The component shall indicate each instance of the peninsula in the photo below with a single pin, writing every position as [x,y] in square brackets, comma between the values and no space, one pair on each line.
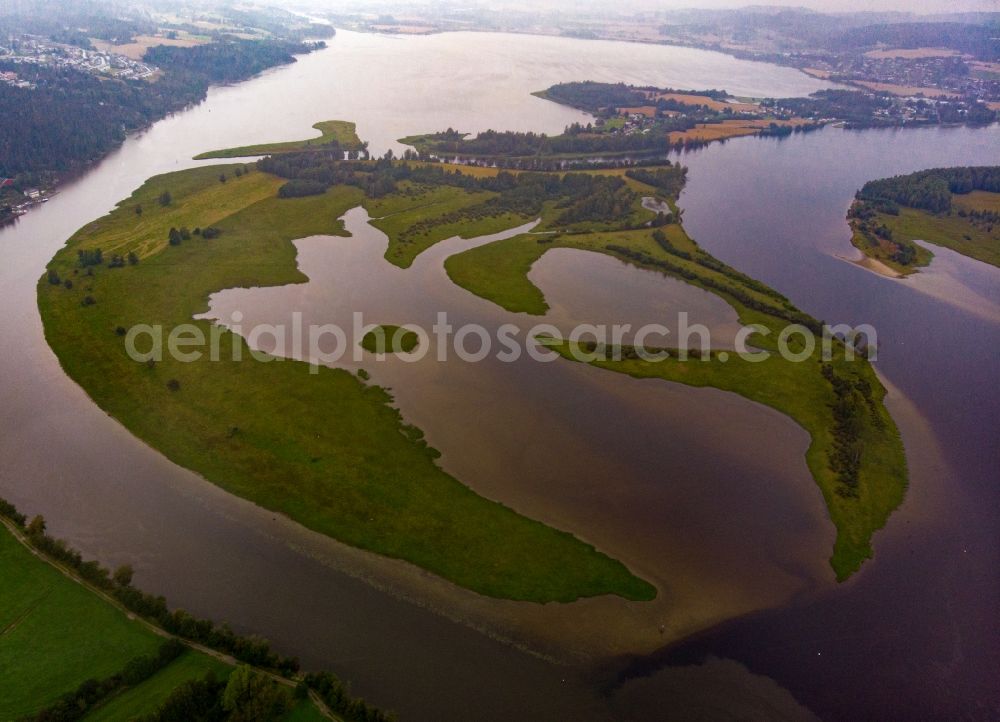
[958,208]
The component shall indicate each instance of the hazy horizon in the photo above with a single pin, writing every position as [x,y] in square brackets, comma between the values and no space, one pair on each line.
[921,7]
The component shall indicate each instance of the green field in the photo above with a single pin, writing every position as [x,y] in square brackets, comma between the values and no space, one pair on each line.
[341,131]
[325,449]
[147,697]
[409,218]
[55,633]
[498,272]
[951,231]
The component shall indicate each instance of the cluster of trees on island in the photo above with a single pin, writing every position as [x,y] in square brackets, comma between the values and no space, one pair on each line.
[929,190]
[600,98]
[579,196]
[583,145]
[575,140]
[252,651]
[853,399]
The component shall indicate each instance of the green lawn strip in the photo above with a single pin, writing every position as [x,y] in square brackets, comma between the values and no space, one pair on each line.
[147,697]
[415,223]
[390,339]
[340,131]
[498,272]
[55,633]
[322,448]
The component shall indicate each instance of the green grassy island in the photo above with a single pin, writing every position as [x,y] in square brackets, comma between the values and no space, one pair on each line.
[390,339]
[325,449]
[958,208]
[330,451]
[334,134]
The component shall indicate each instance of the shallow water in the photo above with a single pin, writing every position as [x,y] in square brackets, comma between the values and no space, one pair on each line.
[643,470]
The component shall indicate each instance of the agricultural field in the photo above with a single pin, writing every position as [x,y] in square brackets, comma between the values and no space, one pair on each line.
[731,129]
[55,633]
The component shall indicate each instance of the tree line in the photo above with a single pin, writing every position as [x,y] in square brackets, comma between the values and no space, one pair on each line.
[669,178]
[579,196]
[851,398]
[593,96]
[786,312]
[929,190]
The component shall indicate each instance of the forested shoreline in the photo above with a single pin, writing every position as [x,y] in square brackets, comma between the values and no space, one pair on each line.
[889,213]
[72,118]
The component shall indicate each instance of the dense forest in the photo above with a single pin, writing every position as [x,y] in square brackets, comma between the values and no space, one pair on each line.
[593,96]
[930,190]
[576,140]
[72,118]
[980,41]
[787,30]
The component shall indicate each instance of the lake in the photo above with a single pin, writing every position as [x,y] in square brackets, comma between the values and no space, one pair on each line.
[915,628]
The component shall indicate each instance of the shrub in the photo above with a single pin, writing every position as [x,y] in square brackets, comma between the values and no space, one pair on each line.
[299,187]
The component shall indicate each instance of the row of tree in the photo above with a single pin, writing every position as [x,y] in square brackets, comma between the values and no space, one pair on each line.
[593,96]
[852,397]
[786,312]
[931,190]
[580,196]
[91,693]
[669,178]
